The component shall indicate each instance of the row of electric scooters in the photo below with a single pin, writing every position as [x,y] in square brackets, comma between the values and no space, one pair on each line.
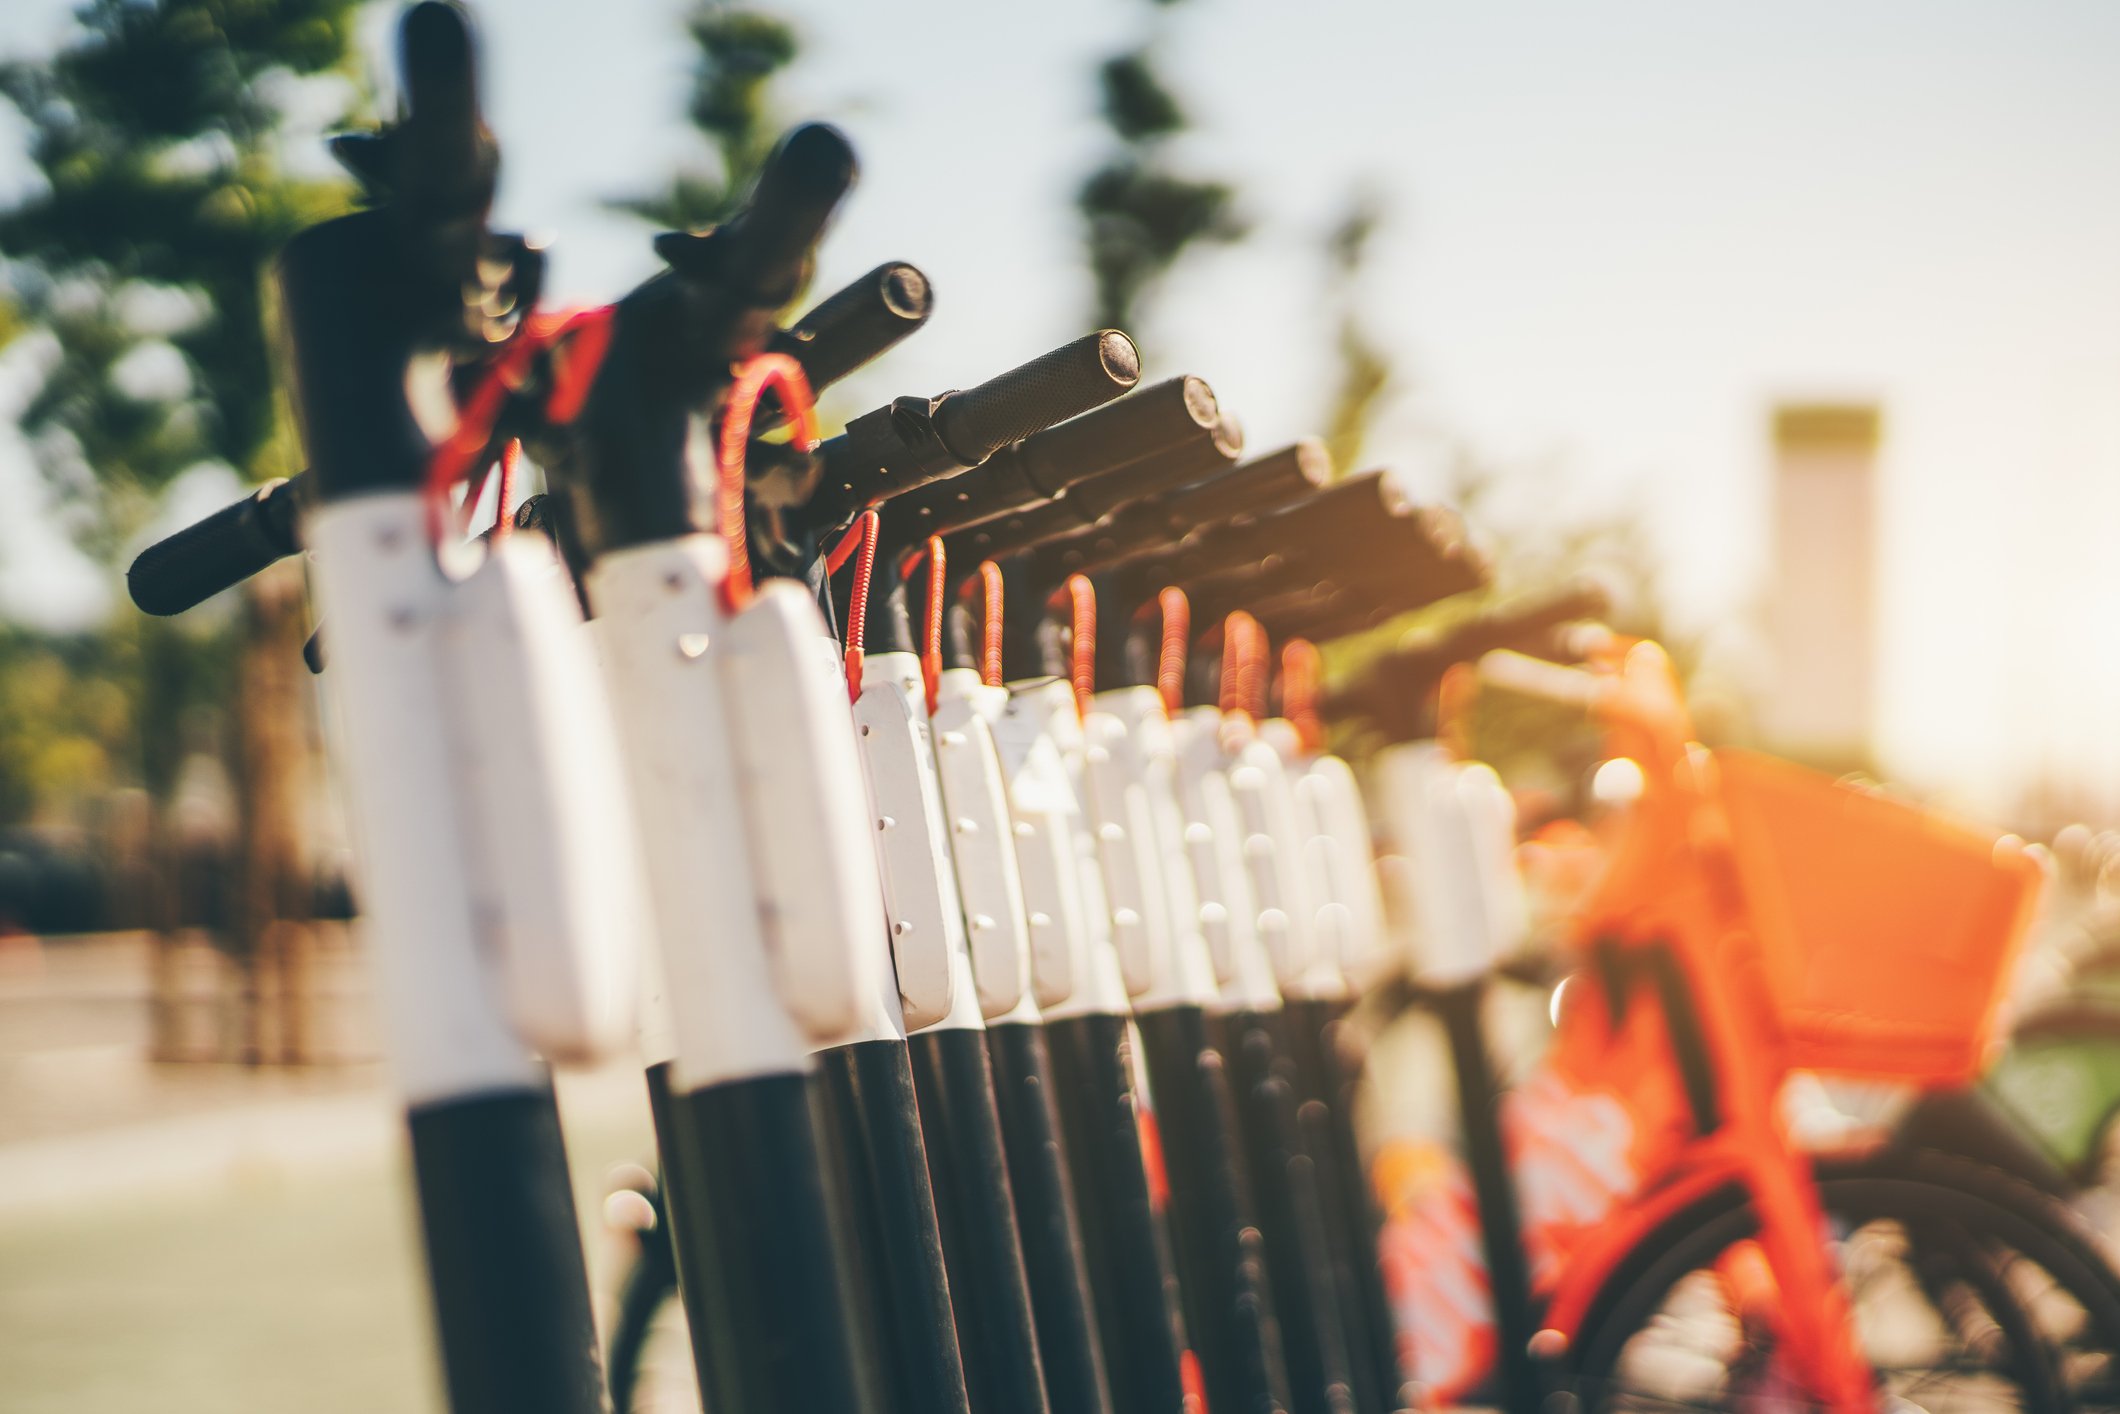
[941,806]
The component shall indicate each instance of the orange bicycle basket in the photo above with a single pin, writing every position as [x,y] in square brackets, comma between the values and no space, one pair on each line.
[1886,932]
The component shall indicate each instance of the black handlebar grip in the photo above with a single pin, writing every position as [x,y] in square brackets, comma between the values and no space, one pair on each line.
[1149,507]
[1175,412]
[857,324]
[217,553]
[1021,480]
[444,160]
[1155,478]
[975,423]
[1258,486]
[769,244]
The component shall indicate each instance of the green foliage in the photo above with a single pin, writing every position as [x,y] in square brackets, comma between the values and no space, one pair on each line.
[145,252]
[142,260]
[66,718]
[740,51]
[1140,211]
[1364,376]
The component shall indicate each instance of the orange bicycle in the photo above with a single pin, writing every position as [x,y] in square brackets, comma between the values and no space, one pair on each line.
[1776,921]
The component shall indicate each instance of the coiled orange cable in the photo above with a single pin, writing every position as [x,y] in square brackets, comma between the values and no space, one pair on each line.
[1170,657]
[1082,602]
[1302,669]
[862,536]
[1243,665]
[784,377]
[991,583]
[931,651]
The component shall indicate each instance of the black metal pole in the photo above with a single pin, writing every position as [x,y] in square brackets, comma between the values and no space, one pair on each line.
[874,1113]
[1285,1172]
[1501,1224]
[1047,1220]
[1326,1079]
[1221,1251]
[1140,1311]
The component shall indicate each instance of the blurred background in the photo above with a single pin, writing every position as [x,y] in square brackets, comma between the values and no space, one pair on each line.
[1798,323]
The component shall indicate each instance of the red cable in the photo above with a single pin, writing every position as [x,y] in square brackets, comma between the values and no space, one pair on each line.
[1170,661]
[864,534]
[784,376]
[1302,667]
[990,642]
[588,332]
[1243,648]
[511,453]
[1258,669]
[1082,600]
[931,654]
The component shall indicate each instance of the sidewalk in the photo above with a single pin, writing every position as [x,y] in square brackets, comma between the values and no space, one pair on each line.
[204,1238]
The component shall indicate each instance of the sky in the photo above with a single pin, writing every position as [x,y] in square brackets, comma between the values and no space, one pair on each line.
[1615,236]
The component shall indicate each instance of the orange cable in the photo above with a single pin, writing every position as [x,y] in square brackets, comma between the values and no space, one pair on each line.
[1302,668]
[990,631]
[1170,661]
[784,376]
[1082,600]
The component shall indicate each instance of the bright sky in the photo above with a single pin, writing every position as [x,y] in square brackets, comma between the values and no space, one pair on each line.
[1617,234]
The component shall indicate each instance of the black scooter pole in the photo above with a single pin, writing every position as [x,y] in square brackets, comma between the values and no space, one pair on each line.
[875,1104]
[364,295]
[975,794]
[953,1078]
[1328,1072]
[756,1233]
[1119,1185]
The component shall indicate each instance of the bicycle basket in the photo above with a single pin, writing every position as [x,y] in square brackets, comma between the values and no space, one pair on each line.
[1887,933]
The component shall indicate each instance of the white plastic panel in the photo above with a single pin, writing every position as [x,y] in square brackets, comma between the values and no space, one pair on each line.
[912,846]
[989,882]
[555,863]
[1453,825]
[660,626]
[801,782]
[1273,857]
[1180,971]
[1126,850]
[1074,969]
[1214,845]
[1326,785]
[445,1025]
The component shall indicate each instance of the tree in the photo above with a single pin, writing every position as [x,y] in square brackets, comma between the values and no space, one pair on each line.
[1140,211]
[1365,375]
[142,261]
[740,50]
[144,254]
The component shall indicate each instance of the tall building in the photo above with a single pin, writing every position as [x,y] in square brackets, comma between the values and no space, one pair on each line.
[1822,615]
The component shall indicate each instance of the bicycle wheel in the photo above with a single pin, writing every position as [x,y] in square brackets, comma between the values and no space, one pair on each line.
[649,1364]
[1972,1291]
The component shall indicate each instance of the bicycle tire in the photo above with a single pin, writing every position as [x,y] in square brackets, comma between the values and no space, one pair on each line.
[1932,1194]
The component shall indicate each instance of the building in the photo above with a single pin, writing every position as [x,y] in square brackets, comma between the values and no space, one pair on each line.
[1820,705]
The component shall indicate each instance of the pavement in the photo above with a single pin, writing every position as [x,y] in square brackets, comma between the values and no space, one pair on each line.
[204,1237]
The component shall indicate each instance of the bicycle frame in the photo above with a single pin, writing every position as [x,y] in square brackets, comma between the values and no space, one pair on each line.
[1671,888]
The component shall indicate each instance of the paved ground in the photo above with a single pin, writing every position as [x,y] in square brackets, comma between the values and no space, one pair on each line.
[198,1238]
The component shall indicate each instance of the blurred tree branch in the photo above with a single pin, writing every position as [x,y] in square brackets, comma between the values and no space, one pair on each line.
[740,51]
